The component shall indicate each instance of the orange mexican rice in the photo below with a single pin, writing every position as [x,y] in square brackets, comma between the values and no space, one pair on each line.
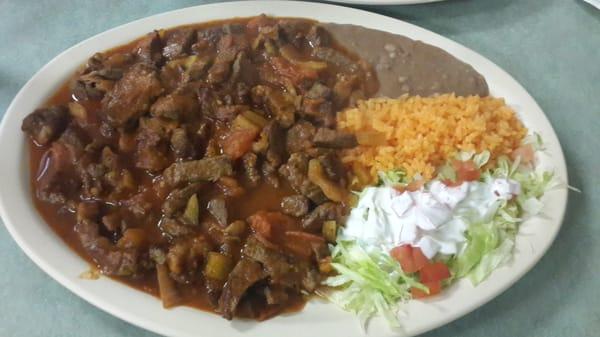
[418,134]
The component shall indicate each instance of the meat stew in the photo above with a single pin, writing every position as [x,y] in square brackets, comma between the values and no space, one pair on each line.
[200,163]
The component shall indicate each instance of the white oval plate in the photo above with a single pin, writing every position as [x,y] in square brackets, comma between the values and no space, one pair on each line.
[47,250]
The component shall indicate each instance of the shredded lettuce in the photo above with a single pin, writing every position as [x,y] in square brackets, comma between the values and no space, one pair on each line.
[490,244]
[369,282]
[393,177]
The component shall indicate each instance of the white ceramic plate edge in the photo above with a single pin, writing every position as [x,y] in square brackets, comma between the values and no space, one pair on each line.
[501,84]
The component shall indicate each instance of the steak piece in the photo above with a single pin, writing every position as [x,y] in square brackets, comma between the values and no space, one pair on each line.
[327,211]
[296,172]
[207,169]
[245,274]
[300,137]
[178,43]
[295,205]
[46,124]
[149,49]
[334,139]
[132,95]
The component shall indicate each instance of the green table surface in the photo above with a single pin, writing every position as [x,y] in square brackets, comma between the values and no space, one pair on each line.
[552,47]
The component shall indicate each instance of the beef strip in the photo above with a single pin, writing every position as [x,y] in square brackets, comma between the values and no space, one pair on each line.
[295,205]
[279,104]
[276,149]
[318,37]
[111,259]
[207,169]
[334,168]
[177,106]
[46,124]
[334,139]
[149,49]
[327,211]
[132,95]
[178,43]
[296,172]
[181,143]
[245,274]
[300,137]
[283,269]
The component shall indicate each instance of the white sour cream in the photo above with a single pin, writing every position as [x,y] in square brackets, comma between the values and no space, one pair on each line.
[433,218]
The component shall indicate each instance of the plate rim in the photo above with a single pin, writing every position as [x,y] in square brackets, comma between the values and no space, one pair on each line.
[140,320]
[384,2]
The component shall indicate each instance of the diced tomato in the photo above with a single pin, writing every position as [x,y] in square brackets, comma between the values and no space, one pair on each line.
[466,171]
[238,142]
[432,272]
[271,226]
[451,183]
[419,259]
[403,254]
[415,185]
[434,288]
[525,152]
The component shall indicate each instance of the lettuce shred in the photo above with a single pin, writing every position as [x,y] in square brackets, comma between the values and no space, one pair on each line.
[490,243]
[369,282]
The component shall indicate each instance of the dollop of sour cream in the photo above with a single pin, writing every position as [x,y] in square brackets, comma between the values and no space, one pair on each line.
[433,218]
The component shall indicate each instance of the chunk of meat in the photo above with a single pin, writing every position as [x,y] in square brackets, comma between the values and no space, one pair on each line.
[318,106]
[333,166]
[99,75]
[245,274]
[283,269]
[181,144]
[333,190]
[112,260]
[218,209]
[132,95]
[276,295]
[149,49]
[324,212]
[296,172]
[177,106]
[46,124]
[59,179]
[300,137]
[175,228]
[178,43]
[276,148]
[207,169]
[186,256]
[318,37]
[281,105]
[334,139]
[178,198]
[295,205]
[227,49]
